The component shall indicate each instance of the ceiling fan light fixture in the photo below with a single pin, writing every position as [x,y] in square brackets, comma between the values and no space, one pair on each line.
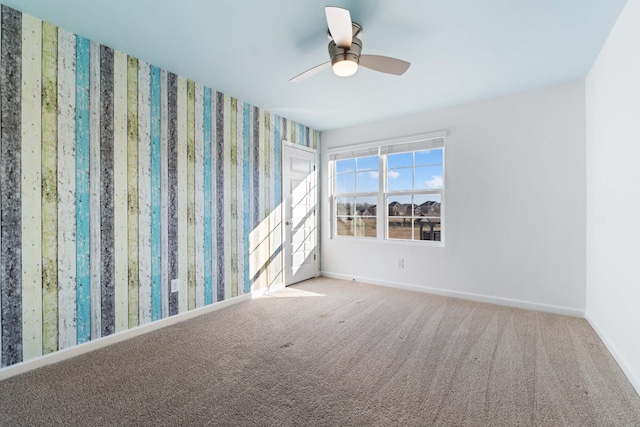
[345,68]
[345,60]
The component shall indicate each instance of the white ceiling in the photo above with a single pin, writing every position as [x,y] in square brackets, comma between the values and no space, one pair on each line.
[460,50]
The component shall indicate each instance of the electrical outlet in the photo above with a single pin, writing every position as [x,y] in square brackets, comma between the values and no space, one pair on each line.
[400,262]
[175,285]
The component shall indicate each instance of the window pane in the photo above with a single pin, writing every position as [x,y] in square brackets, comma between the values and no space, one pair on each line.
[427,205]
[428,178]
[399,205]
[399,160]
[348,165]
[428,224]
[345,183]
[429,157]
[400,227]
[399,179]
[344,226]
[367,182]
[365,227]
[427,229]
[344,206]
[367,163]
[365,206]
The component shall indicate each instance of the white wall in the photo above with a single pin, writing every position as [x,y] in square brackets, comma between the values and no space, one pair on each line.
[515,204]
[613,192]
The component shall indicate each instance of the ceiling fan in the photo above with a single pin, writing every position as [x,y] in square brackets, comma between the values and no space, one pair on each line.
[345,47]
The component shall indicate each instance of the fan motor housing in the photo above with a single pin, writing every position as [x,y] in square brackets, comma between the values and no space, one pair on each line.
[352,53]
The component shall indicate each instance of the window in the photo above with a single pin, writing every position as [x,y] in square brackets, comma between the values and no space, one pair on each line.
[405,177]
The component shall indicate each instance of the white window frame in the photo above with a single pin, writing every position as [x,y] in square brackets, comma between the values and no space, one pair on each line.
[382,149]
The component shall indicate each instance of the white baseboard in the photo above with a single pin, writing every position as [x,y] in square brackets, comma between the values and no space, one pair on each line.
[567,311]
[635,382]
[65,354]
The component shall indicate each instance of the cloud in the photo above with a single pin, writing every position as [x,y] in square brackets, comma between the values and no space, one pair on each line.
[373,174]
[393,174]
[434,182]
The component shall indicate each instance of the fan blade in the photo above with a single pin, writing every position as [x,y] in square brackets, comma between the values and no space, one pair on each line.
[339,21]
[310,72]
[385,64]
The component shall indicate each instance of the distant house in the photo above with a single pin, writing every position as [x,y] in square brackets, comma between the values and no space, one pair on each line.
[394,209]
[430,208]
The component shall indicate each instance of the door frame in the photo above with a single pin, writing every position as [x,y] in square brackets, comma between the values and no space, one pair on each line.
[287,145]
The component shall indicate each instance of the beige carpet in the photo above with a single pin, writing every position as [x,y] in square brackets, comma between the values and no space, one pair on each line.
[336,353]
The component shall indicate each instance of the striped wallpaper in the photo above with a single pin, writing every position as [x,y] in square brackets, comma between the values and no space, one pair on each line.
[116,178]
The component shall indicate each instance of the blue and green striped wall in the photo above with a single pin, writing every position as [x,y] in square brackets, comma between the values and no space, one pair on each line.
[116,178]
